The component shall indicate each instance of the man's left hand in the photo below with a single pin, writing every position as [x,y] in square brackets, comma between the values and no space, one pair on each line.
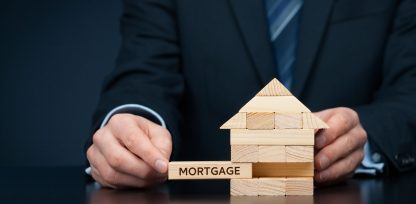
[339,149]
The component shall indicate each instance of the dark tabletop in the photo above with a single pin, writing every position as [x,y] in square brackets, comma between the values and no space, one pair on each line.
[70,185]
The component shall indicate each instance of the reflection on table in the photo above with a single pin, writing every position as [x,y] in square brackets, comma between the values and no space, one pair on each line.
[354,191]
[68,185]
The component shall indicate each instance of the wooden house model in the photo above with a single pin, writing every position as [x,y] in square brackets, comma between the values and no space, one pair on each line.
[272,153]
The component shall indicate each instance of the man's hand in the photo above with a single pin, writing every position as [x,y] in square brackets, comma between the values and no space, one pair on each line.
[340,149]
[130,151]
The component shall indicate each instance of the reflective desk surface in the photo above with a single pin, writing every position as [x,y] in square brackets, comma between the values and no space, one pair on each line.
[69,185]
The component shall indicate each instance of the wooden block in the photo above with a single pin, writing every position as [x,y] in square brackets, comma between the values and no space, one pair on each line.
[272,137]
[208,170]
[260,121]
[282,169]
[299,153]
[288,121]
[259,200]
[304,199]
[244,187]
[244,153]
[277,104]
[235,122]
[272,153]
[241,199]
[310,121]
[274,88]
[272,186]
[299,186]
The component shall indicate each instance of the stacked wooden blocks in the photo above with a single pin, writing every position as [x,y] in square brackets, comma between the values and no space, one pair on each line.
[272,139]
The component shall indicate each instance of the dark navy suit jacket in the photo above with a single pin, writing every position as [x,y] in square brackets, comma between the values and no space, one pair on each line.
[196,62]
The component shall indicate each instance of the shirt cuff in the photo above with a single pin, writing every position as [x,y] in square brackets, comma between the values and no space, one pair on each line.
[137,110]
[368,165]
[133,109]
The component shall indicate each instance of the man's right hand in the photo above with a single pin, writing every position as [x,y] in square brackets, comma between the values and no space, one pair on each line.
[130,151]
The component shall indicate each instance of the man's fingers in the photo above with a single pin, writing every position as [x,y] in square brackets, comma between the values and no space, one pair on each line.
[160,138]
[340,169]
[97,177]
[340,121]
[140,144]
[96,161]
[339,148]
[137,141]
[93,157]
[116,179]
[122,160]
[110,177]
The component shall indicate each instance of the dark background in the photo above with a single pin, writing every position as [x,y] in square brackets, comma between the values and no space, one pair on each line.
[53,58]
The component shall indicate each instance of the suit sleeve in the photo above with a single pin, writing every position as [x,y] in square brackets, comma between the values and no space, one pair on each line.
[147,68]
[390,120]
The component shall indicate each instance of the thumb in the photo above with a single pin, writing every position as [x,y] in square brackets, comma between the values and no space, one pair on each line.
[324,115]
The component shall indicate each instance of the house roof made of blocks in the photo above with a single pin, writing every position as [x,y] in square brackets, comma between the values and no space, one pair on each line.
[278,108]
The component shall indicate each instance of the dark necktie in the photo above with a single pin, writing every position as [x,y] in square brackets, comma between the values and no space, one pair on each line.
[283,16]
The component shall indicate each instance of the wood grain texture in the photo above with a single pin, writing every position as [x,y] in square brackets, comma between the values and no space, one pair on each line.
[260,121]
[300,199]
[283,169]
[271,186]
[244,153]
[276,186]
[274,88]
[299,186]
[208,170]
[244,187]
[288,121]
[272,137]
[310,121]
[259,200]
[299,153]
[235,122]
[271,153]
[274,104]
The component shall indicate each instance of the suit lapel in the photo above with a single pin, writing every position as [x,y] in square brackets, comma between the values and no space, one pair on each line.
[252,22]
[313,23]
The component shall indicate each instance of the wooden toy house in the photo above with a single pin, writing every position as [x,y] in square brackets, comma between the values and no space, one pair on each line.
[272,138]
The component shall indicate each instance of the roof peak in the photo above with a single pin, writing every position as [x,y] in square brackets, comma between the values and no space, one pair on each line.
[274,88]
[274,98]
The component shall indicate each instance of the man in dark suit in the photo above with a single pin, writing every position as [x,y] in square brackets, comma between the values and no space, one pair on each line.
[185,66]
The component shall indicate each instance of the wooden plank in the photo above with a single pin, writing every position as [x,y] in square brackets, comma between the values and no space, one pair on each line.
[235,122]
[310,121]
[260,121]
[244,187]
[208,170]
[272,186]
[274,88]
[299,186]
[260,200]
[274,104]
[282,169]
[271,153]
[288,121]
[240,199]
[272,137]
[244,153]
[301,199]
[299,153]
